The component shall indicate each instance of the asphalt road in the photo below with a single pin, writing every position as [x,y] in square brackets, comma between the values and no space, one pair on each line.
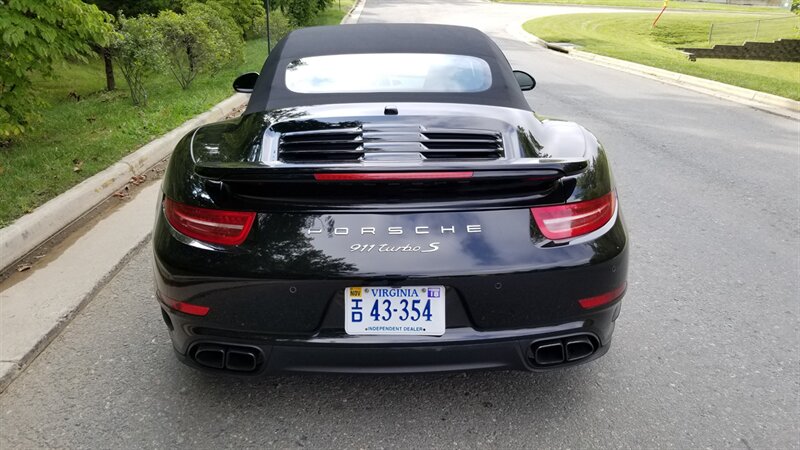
[705,353]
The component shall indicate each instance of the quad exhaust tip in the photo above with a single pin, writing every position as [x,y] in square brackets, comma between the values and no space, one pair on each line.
[564,350]
[227,357]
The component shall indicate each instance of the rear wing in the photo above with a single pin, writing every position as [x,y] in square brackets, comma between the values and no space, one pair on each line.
[542,170]
[352,187]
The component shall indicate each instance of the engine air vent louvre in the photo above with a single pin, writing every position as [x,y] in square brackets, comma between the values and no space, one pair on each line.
[343,144]
[351,144]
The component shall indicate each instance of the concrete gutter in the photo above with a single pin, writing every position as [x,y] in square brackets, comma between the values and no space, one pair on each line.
[760,100]
[31,230]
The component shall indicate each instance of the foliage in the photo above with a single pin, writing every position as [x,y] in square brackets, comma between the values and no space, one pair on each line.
[190,45]
[279,26]
[795,6]
[219,19]
[35,37]
[138,51]
[301,13]
[249,15]
[133,8]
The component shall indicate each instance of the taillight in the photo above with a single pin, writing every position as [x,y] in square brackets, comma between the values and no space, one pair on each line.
[574,219]
[602,299]
[184,307]
[209,225]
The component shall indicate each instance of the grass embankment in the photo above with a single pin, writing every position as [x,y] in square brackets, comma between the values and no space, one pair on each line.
[673,5]
[629,37]
[94,132]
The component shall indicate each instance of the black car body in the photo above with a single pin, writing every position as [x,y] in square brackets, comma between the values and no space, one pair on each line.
[389,203]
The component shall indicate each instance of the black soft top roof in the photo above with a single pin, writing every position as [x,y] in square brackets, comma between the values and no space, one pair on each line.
[271,93]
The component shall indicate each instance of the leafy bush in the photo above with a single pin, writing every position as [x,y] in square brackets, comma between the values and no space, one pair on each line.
[219,19]
[279,26]
[138,51]
[190,46]
[301,13]
[35,37]
[249,15]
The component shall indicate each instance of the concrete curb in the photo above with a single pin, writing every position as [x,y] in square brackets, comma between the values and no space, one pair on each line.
[31,230]
[355,12]
[760,100]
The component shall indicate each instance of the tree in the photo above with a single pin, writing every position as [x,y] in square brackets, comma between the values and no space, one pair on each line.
[220,20]
[192,46]
[249,15]
[128,8]
[138,51]
[133,8]
[35,37]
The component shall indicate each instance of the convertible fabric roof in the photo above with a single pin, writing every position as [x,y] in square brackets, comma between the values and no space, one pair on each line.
[271,93]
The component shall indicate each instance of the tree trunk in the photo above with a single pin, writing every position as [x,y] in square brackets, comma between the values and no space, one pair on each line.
[111,84]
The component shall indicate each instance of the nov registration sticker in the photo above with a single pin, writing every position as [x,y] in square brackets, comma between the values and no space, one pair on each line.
[406,310]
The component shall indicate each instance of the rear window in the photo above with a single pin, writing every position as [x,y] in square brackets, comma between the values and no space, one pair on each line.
[388,72]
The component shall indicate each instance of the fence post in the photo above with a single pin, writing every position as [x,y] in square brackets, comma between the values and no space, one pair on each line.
[710,33]
[758,25]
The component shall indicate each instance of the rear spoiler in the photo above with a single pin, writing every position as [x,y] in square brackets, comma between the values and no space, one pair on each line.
[543,170]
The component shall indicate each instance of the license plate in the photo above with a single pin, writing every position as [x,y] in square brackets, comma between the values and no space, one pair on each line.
[407,310]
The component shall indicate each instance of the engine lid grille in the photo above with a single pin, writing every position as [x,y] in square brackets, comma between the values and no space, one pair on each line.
[360,143]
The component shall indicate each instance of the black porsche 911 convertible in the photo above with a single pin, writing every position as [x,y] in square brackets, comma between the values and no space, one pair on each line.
[388,203]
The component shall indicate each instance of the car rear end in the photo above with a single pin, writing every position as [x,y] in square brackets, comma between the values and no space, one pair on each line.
[351,238]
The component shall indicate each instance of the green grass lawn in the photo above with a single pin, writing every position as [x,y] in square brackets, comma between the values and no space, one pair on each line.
[100,128]
[629,37]
[673,5]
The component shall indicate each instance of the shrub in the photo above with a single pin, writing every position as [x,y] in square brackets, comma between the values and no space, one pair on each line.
[219,19]
[190,46]
[249,15]
[279,26]
[138,51]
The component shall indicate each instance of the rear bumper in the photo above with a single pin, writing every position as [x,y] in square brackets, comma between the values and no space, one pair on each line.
[460,349]
[289,312]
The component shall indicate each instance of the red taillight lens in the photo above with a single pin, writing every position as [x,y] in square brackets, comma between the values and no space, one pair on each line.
[209,225]
[602,299]
[186,308]
[574,219]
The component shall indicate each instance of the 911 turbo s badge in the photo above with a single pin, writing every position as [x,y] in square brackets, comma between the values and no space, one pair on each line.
[398,231]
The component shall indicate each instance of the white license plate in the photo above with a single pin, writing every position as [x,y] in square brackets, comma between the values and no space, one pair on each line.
[406,310]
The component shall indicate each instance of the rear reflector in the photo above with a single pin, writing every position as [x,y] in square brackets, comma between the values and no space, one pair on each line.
[391,176]
[574,219]
[186,308]
[209,225]
[602,299]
